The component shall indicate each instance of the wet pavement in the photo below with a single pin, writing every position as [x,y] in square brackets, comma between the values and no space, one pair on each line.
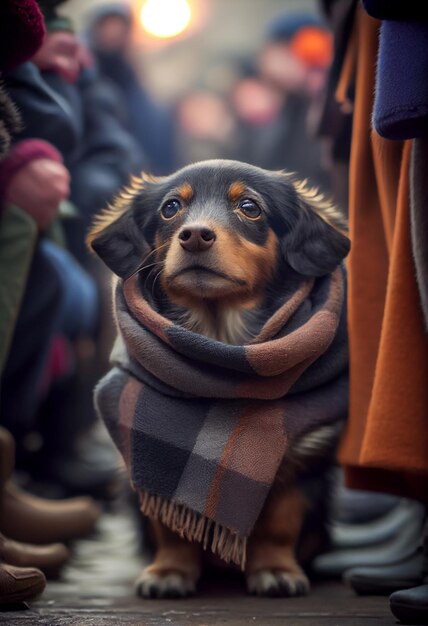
[96,590]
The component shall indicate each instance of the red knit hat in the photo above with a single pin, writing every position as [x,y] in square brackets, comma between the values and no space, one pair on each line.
[21,31]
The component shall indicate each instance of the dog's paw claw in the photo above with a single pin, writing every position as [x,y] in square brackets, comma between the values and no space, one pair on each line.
[173,585]
[276,584]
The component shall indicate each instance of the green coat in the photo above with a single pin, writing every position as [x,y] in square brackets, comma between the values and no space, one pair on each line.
[18,236]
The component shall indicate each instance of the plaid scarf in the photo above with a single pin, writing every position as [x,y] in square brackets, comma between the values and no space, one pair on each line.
[203,426]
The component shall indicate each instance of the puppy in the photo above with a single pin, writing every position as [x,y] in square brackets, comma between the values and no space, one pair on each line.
[216,244]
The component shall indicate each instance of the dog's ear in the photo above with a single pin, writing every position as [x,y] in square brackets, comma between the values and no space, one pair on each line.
[315,242]
[117,235]
[120,245]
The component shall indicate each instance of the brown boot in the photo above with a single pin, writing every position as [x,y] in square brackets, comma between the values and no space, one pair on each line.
[30,519]
[18,584]
[49,559]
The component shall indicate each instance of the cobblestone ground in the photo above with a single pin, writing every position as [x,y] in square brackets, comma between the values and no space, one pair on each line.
[96,590]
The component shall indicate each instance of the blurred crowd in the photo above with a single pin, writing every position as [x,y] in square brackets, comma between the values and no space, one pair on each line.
[266,110]
[76,120]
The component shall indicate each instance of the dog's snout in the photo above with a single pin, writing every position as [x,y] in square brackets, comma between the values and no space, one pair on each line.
[196,238]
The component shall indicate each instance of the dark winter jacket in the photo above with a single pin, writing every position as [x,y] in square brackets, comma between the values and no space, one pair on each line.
[46,114]
[107,154]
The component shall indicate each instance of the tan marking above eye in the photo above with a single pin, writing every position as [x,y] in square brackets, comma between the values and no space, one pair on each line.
[185,191]
[236,190]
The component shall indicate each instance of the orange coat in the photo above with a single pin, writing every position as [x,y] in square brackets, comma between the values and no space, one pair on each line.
[385,446]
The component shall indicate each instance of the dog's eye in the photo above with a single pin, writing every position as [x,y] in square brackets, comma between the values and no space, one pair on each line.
[170,209]
[250,209]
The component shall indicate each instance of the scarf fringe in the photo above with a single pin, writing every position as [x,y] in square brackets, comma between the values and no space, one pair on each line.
[193,526]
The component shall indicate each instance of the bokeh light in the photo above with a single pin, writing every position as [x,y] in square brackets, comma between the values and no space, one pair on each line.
[165,18]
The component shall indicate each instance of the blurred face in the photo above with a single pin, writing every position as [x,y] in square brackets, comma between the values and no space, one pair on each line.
[112,33]
[282,68]
[61,53]
[204,115]
[256,102]
[287,71]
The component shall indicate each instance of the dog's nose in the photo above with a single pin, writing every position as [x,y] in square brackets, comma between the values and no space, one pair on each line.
[196,238]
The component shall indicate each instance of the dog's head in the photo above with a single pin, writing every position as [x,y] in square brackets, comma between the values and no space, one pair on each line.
[220,230]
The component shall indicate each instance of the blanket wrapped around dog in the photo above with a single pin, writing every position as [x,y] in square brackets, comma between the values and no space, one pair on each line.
[203,426]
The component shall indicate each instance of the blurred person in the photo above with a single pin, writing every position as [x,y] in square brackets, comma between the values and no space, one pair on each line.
[257,105]
[32,176]
[206,126]
[105,156]
[99,156]
[33,179]
[109,37]
[295,61]
[86,120]
[380,77]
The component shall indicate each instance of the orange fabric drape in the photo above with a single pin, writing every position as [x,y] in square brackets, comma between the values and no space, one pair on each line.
[385,445]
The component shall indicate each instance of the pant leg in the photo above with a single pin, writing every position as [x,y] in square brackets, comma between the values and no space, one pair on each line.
[79,314]
[37,322]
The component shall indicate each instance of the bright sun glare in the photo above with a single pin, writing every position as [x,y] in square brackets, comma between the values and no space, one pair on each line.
[165,18]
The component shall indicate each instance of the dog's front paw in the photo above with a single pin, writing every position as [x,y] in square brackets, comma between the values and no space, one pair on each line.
[276,584]
[166,585]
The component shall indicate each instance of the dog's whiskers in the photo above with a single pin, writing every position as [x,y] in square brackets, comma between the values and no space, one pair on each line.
[149,265]
[142,267]
[154,282]
[149,275]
